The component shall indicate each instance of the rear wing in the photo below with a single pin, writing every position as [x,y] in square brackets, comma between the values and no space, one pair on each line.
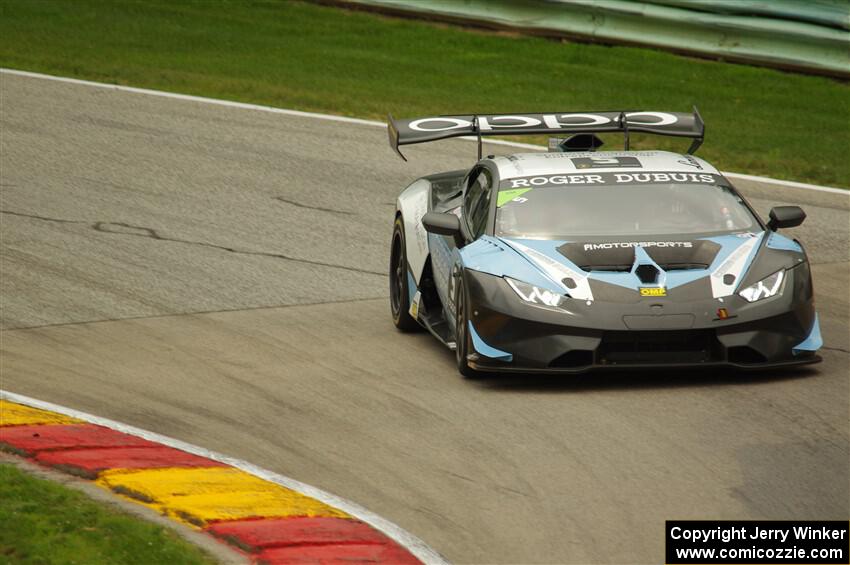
[422,130]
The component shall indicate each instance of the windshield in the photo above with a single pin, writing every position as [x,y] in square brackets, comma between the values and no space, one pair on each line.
[574,211]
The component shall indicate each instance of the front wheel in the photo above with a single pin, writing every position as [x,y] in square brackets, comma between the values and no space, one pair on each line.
[462,338]
[399,293]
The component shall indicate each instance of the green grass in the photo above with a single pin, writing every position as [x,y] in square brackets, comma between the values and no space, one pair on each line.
[309,57]
[43,522]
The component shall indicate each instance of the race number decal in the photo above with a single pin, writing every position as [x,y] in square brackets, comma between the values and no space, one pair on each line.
[605,162]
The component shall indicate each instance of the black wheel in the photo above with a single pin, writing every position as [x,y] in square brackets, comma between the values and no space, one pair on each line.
[461,332]
[399,294]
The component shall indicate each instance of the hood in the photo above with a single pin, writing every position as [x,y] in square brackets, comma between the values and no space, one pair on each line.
[620,255]
[578,268]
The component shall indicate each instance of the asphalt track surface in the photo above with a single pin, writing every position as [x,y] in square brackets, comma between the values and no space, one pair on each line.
[217,275]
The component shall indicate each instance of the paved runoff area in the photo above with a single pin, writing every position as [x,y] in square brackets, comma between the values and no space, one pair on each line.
[271,523]
[217,275]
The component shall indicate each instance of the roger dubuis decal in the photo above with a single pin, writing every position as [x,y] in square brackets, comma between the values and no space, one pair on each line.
[611,179]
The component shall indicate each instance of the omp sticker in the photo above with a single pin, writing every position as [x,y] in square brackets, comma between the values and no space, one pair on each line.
[506,196]
[653,291]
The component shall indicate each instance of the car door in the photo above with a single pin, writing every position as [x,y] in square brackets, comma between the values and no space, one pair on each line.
[474,213]
[476,202]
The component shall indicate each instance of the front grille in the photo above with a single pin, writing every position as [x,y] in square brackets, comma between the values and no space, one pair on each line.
[659,347]
[745,355]
[682,266]
[573,359]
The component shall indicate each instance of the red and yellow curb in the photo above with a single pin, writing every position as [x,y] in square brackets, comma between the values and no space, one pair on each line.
[271,523]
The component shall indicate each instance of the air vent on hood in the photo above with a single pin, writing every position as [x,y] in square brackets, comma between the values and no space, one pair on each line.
[620,256]
[647,273]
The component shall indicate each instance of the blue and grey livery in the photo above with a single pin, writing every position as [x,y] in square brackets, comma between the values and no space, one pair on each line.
[577,259]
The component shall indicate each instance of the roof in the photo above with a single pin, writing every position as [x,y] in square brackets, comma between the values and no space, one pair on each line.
[530,164]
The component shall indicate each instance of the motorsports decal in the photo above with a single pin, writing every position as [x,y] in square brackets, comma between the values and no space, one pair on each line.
[653,291]
[628,244]
[678,254]
[609,178]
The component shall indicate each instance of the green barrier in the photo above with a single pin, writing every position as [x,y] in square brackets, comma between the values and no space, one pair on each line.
[803,35]
[829,13]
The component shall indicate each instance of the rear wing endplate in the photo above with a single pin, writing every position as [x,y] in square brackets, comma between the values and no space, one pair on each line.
[422,130]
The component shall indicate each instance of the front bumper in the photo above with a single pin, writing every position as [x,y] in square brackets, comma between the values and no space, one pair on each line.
[641,333]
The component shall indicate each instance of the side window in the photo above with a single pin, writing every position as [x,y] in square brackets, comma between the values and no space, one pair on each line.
[476,202]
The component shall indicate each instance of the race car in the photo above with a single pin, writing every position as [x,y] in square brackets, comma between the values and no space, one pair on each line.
[577,259]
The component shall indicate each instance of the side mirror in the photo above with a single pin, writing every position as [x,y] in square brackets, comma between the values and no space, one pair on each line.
[785,217]
[444,224]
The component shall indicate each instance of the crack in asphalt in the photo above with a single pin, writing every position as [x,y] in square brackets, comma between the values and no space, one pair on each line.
[121,228]
[43,218]
[841,349]
[308,207]
[192,313]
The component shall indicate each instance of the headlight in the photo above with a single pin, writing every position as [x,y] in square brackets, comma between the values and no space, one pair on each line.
[536,295]
[765,288]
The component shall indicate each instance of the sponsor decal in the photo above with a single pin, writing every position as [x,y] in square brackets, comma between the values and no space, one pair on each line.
[530,182]
[546,121]
[605,162]
[723,314]
[414,306]
[627,244]
[653,291]
[557,272]
[610,178]
[512,195]
[733,265]
[577,154]
[690,162]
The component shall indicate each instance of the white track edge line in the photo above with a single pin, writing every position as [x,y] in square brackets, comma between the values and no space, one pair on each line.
[416,546]
[358,121]
[788,183]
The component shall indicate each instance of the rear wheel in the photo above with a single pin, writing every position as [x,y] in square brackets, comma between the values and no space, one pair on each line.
[462,338]
[399,288]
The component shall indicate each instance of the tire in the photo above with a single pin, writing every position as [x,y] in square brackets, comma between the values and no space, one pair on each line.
[399,290]
[462,339]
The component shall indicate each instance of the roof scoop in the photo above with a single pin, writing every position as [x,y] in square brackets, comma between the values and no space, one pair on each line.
[577,142]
